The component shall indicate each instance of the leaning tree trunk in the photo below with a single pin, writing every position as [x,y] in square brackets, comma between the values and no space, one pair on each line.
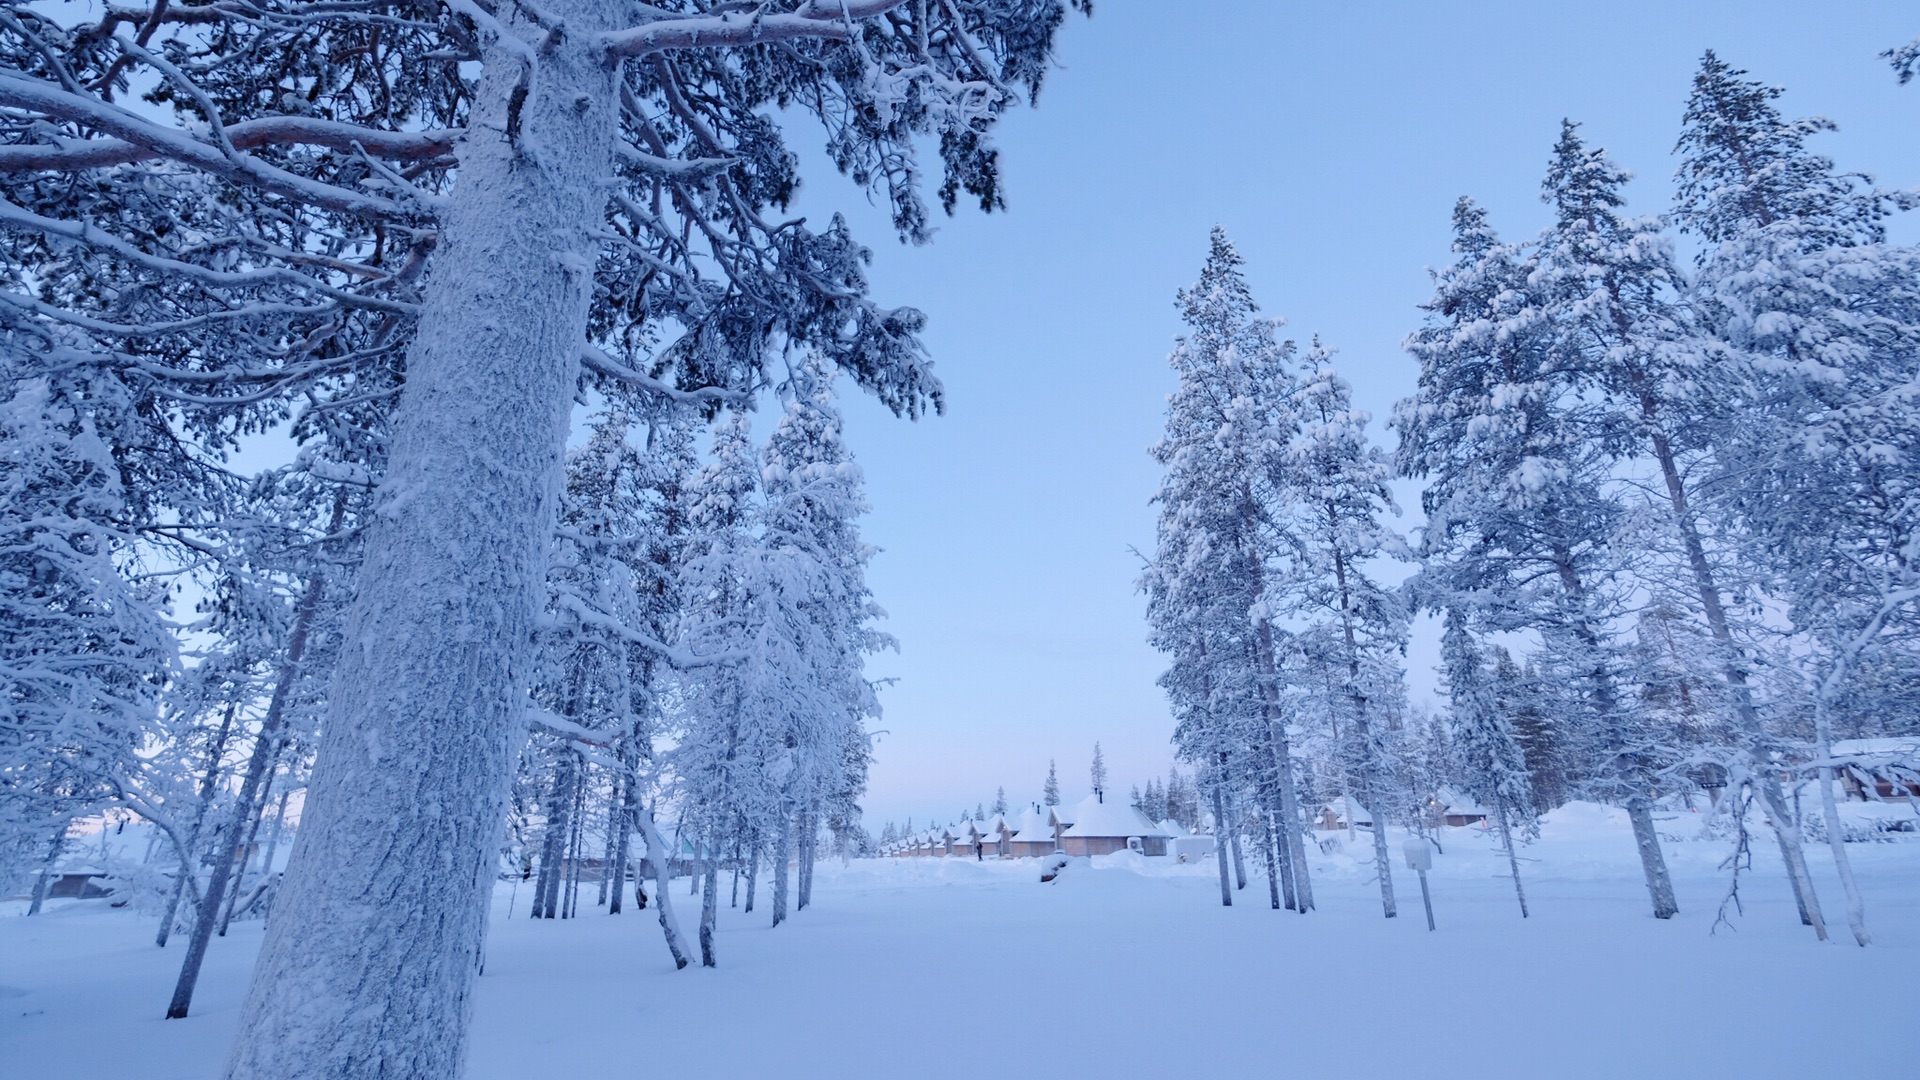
[188,857]
[266,750]
[1836,835]
[1503,822]
[660,862]
[367,969]
[1786,826]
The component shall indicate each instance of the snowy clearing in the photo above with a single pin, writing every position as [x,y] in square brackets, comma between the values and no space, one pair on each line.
[1124,967]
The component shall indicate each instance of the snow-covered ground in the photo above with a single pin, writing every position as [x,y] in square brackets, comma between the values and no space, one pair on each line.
[1124,967]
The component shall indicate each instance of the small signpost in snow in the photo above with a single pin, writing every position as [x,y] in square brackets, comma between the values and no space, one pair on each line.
[1420,860]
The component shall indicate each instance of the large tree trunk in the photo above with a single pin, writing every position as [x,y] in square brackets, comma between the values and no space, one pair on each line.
[1786,826]
[367,969]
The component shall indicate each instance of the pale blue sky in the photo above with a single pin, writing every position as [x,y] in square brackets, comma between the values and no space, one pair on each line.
[1331,140]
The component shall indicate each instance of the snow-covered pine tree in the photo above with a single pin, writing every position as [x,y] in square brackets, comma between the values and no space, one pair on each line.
[274,151]
[1520,519]
[83,653]
[1051,791]
[1609,282]
[1097,772]
[1204,584]
[1330,484]
[1822,316]
[1491,762]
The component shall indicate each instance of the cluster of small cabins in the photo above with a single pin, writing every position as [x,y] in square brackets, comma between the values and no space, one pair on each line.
[1093,827]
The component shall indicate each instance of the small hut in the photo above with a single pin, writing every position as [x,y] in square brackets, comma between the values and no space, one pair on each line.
[1100,828]
[1034,835]
[1451,807]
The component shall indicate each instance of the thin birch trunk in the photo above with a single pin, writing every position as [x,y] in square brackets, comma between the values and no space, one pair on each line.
[709,914]
[657,861]
[1513,857]
[188,857]
[266,750]
[809,841]
[1836,835]
[1220,845]
[1233,838]
[613,830]
[782,855]
[1273,868]
[753,875]
[254,819]
[273,838]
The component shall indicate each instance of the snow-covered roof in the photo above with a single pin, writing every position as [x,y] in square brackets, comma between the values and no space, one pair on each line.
[1173,828]
[1062,814]
[1032,826]
[1458,802]
[1095,818]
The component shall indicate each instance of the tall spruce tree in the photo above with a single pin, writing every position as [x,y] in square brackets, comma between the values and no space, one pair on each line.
[1520,518]
[1822,318]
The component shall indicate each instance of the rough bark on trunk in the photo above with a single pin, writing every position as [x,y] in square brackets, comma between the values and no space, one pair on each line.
[368,969]
[753,876]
